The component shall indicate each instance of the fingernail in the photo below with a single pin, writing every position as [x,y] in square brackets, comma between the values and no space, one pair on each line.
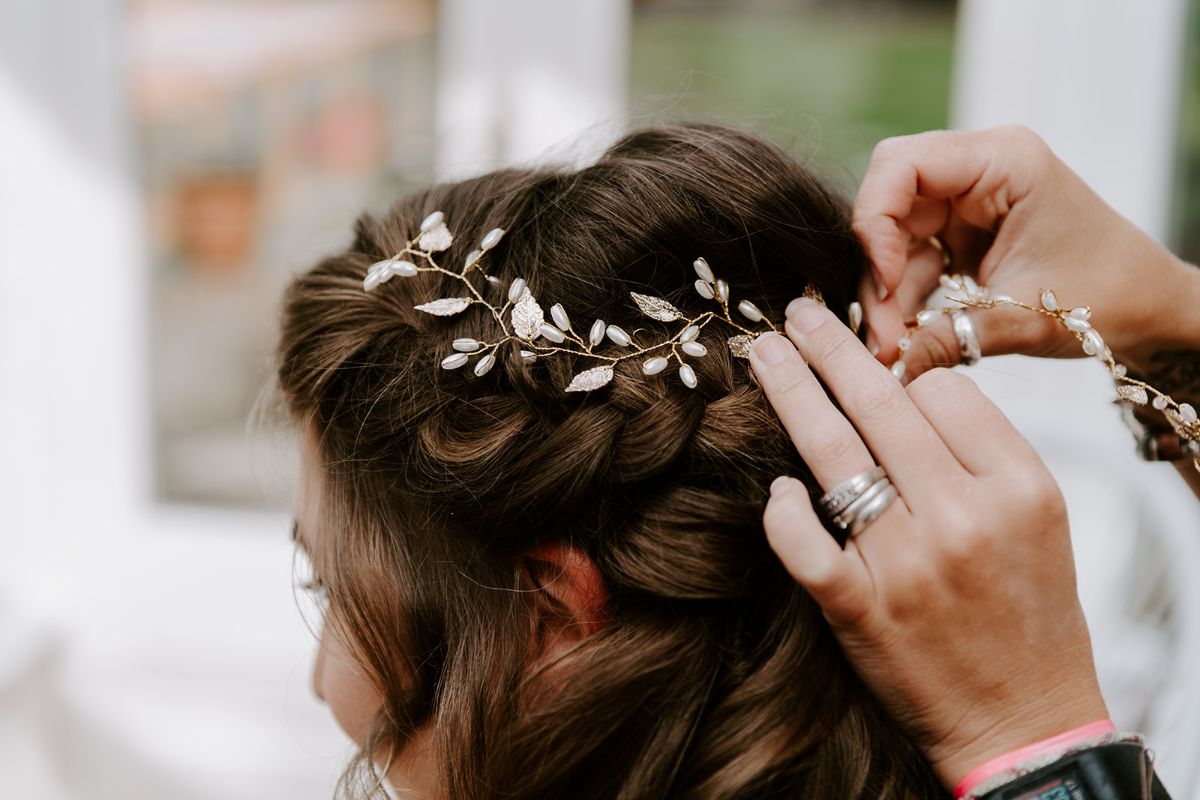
[805,314]
[782,485]
[771,348]
[881,289]
[795,304]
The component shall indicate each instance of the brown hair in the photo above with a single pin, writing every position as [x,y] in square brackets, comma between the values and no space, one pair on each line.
[715,675]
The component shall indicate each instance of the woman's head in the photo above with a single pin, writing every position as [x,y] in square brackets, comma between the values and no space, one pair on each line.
[566,595]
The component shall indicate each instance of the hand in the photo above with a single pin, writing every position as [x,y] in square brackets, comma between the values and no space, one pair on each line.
[1015,217]
[957,606]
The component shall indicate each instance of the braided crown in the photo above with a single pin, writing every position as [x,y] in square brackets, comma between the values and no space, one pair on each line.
[521,318]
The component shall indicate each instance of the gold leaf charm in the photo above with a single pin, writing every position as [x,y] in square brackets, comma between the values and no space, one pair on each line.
[527,316]
[445,306]
[813,293]
[656,307]
[590,379]
[1134,394]
[436,238]
[740,345]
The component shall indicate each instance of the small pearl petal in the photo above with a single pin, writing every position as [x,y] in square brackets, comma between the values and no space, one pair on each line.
[688,376]
[904,344]
[1077,325]
[372,280]
[473,258]
[750,311]
[492,239]
[492,279]
[454,361]
[970,285]
[694,349]
[1093,345]
[949,283]
[405,269]
[550,332]
[704,289]
[1081,312]
[1002,298]
[618,336]
[854,315]
[703,270]
[723,291]
[560,316]
[927,316]
[1159,402]
[898,369]
[528,355]
[484,364]
[465,345]
[432,221]
[1187,413]
[689,333]
[597,333]
[653,366]
[1049,300]
[515,289]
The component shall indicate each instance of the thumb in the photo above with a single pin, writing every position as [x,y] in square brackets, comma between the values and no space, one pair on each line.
[1002,330]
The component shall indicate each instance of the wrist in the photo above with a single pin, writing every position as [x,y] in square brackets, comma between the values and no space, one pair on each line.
[1166,319]
[954,758]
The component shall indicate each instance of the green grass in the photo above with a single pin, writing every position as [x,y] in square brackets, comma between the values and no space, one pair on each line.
[826,85]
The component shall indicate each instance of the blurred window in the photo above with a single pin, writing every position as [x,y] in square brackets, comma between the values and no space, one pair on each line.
[825,79]
[264,128]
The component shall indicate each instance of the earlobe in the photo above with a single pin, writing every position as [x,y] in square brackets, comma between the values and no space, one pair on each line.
[573,601]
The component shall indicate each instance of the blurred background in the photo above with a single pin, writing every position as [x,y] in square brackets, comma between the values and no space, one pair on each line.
[166,165]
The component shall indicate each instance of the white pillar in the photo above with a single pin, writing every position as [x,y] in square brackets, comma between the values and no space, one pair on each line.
[1100,80]
[526,80]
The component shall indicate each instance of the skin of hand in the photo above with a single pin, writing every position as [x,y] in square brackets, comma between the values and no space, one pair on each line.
[958,605]
[1015,217]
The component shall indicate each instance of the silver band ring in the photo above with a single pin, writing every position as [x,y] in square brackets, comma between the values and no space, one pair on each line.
[872,510]
[968,342]
[846,519]
[839,497]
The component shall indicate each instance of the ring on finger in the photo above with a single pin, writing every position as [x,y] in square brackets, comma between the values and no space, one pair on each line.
[845,520]
[872,510]
[968,341]
[837,499]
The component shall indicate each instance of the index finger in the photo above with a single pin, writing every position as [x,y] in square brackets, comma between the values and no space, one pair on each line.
[934,165]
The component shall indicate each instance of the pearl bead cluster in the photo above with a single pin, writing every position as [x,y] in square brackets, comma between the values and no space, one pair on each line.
[1182,417]
[521,318]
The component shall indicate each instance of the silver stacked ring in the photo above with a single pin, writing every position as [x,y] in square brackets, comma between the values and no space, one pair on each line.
[968,341]
[836,500]
[857,502]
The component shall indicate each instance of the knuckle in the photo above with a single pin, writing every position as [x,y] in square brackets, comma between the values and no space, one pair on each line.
[879,401]
[831,447]
[941,386]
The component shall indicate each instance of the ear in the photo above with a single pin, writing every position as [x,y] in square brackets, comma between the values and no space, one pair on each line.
[571,599]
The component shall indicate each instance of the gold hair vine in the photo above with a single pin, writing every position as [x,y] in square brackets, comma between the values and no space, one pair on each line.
[1182,417]
[527,324]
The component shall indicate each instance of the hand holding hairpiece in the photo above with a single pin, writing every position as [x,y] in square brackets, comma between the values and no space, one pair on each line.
[527,324]
[1182,417]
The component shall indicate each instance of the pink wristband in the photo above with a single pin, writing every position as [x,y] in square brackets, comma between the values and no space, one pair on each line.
[1013,758]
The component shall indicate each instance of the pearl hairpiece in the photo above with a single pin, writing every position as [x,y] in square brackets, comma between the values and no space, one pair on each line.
[521,317]
[1182,417]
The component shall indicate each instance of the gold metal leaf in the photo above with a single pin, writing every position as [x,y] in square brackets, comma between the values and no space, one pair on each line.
[590,379]
[436,238]
[814,293]
[445,306]
[740,345]
[1134,394]
[527,316]
[656,307]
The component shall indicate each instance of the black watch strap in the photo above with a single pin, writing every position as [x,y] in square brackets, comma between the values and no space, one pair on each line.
[1115,771]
